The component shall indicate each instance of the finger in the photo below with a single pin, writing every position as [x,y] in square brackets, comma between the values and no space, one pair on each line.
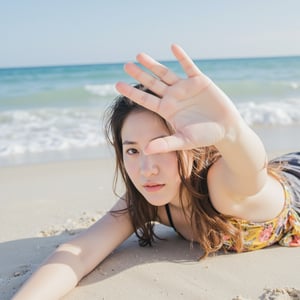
[161,71]
[145,99]
[186,62]
[152,83]
[166,144]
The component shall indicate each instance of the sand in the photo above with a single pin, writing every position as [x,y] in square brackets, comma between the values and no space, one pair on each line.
[45,205]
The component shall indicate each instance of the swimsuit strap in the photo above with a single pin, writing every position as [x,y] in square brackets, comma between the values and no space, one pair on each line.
[170,216]
[171,221]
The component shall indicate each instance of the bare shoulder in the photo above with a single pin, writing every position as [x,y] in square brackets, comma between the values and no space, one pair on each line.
[264,205]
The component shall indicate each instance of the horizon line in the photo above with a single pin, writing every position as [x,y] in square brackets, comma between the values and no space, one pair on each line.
[160,60]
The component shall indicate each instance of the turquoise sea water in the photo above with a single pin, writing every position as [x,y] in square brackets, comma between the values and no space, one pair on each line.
[54,113]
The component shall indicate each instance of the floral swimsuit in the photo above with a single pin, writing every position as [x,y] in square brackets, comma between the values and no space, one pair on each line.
[284,229]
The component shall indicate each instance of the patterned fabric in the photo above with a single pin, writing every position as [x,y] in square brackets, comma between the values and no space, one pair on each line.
[291,171]
[284,229]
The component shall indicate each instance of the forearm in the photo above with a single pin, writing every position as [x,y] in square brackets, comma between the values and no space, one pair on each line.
[56,277]
[243,159]
[75,259]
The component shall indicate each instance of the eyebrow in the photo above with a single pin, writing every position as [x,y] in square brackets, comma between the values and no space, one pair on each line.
[126,142]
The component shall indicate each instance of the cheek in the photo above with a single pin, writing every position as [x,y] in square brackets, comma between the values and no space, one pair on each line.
[130,169]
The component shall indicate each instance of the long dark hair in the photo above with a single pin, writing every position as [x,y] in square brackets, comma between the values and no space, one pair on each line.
[209,226]
[141,212]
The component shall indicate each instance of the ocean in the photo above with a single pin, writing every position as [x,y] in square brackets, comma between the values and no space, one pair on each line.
[55,113]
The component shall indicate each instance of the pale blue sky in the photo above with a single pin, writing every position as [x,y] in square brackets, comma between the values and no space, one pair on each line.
[35,32]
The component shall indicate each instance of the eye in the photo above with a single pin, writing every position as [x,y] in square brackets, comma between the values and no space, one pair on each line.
[131,151]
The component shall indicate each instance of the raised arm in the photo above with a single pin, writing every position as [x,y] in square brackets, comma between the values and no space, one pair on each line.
[201,115]
[61,272]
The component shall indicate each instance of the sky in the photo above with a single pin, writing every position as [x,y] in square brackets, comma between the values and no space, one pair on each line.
[63,32]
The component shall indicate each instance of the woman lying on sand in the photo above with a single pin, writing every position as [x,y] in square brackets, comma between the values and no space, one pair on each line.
[188,160]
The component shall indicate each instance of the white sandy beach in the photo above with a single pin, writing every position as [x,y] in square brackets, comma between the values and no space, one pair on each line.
[59,66]
[44,205]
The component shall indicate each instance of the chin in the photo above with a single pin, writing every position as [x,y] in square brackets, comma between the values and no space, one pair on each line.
[157,202]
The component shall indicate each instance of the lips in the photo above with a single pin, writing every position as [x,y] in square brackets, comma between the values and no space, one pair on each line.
[153,187]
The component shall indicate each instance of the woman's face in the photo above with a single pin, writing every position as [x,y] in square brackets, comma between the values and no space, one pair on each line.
[155,176]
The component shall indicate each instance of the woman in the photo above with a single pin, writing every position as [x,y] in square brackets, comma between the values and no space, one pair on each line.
[188,160]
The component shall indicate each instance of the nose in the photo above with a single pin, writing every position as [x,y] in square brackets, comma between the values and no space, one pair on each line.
[148,166]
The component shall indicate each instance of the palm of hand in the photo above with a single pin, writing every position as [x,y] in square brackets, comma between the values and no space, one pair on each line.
[197,110]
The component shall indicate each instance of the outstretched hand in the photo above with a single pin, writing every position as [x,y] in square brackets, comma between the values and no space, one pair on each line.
[199,112]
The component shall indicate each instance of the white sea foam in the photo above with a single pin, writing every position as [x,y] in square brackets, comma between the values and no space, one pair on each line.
[295,85]
[101,89]
[54,129]
[37,131]
[271,113]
